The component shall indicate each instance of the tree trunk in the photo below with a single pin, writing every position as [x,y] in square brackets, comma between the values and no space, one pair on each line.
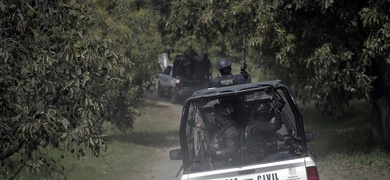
[380,115]
[380,119]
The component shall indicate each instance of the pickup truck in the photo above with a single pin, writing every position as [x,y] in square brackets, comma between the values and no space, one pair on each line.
[182,78]
[289,159]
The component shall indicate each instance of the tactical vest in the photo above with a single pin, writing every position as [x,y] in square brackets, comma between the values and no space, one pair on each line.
[216,142]
[226,80]
[259,146]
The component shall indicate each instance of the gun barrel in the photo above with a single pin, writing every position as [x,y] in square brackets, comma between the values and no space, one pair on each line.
[243,63]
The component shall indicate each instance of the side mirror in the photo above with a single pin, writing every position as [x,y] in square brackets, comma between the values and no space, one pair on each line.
[175,154]
[309,136]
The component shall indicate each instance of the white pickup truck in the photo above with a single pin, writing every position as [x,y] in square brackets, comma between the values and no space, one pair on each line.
[289,159]
[182,78]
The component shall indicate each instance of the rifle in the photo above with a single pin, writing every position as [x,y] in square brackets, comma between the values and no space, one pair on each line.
[245,74]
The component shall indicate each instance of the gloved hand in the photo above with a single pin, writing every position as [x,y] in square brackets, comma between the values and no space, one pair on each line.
[191,122]
[243,67]
[278,104]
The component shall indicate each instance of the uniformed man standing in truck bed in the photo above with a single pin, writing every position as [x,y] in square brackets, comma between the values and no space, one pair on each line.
[224,66]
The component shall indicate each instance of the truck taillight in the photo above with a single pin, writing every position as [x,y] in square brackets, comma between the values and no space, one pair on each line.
[177,86]
[312,173]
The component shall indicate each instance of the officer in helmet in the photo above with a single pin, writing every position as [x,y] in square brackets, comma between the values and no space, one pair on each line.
[267,119]
[224,66]
[223,148]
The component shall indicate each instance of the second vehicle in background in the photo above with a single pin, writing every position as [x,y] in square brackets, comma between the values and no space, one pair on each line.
[185,76]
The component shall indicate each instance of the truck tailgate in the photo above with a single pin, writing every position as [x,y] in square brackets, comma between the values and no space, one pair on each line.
[294,169]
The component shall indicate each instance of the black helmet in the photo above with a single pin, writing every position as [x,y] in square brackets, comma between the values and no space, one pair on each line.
[263,113]
[223,109]
[223,63]
[263,108]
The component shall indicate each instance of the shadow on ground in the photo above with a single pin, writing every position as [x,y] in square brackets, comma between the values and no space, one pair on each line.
[159,140]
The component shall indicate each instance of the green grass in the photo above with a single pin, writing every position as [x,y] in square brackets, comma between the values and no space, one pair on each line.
[344,147]
[129,154]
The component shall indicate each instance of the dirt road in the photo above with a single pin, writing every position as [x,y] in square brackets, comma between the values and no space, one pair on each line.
[164,168]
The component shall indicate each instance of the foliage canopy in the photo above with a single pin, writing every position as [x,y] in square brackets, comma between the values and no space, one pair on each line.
[330,51]
[65,70]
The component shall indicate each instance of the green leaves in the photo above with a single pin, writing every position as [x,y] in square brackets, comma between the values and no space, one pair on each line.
[324,46]
[370,17]
[64,74]
[336,74]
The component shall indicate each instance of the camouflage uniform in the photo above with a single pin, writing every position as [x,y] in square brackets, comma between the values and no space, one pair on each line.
[262,134]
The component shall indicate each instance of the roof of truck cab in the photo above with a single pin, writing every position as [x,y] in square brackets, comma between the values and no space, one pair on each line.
[235,88]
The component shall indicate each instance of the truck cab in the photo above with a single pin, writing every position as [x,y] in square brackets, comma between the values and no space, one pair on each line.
[182,78]
[288,158]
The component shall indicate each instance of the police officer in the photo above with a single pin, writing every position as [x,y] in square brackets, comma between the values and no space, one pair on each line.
[223,146]
[267,119]
[224,66]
